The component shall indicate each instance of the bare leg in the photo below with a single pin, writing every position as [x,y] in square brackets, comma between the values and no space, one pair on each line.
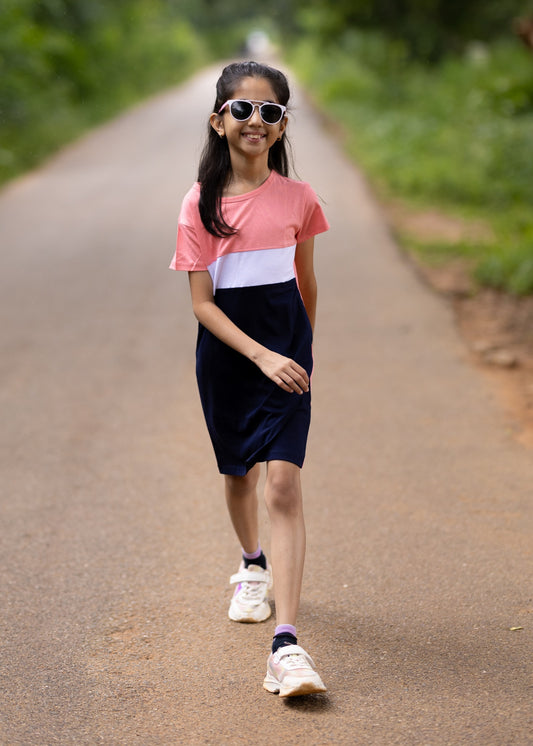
[283,497]
[241,498]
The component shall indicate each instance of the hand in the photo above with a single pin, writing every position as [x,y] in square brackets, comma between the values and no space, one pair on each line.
[287,374]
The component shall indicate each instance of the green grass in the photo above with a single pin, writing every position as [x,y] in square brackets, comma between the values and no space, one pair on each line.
[457,136]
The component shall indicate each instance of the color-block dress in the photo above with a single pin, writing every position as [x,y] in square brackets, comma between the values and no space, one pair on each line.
[249,418]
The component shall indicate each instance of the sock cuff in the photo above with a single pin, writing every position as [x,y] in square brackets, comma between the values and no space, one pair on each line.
[285,629]
[253,555]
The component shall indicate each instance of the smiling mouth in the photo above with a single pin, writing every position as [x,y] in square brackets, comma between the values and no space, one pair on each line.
[254,137]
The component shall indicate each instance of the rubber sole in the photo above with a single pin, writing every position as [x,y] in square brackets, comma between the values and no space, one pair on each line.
[249,619]
[272,685]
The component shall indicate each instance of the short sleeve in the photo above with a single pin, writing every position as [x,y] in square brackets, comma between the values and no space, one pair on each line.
[313,220]
[188,255]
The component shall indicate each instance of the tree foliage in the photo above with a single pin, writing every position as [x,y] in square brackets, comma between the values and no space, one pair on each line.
[427,29]
[65,64]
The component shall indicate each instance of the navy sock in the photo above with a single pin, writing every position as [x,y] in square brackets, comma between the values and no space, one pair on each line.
[285,638]
[261,561]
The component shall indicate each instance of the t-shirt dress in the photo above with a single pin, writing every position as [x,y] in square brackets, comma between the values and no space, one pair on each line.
[249,418]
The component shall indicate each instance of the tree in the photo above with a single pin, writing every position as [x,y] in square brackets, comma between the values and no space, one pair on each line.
[428,28]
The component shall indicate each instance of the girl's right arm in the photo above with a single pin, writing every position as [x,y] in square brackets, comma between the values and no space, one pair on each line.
[286,373]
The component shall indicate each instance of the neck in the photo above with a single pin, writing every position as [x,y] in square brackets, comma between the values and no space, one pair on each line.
[247,176]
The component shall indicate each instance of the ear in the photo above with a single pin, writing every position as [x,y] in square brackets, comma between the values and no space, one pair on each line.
[217,123]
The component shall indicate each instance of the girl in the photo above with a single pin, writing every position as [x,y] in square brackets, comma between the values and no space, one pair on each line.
[246,235]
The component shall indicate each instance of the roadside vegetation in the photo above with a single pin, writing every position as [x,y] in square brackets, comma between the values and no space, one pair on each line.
[454,133]
[66,65]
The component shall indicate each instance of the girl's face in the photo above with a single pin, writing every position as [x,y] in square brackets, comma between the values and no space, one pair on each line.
[253,137]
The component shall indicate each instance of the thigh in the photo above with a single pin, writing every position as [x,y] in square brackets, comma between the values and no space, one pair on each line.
[239,486]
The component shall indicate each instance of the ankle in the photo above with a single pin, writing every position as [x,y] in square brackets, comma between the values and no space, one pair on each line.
[284,634]
[255,558]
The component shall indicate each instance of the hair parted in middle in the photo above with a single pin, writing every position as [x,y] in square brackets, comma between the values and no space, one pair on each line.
[215,163]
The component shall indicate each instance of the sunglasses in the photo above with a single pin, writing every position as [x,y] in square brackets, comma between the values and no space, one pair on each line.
[241,110]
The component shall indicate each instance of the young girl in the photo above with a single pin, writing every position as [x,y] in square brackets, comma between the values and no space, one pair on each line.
[246,235]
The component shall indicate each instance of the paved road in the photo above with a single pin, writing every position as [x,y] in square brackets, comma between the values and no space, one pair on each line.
[116,547]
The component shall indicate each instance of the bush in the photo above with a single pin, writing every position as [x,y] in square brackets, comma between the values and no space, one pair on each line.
[457,135]
[65,66]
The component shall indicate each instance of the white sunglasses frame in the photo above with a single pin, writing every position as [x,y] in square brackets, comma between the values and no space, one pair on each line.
[255,105]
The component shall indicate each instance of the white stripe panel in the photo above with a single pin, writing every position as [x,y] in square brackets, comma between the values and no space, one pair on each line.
[248,268]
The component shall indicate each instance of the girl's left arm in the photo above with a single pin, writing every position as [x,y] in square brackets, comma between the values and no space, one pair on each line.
[305,273]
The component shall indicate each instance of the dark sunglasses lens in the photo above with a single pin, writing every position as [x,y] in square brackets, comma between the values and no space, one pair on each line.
[271,113]
[241,110]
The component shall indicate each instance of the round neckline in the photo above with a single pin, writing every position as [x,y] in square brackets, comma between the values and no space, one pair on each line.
[252,192]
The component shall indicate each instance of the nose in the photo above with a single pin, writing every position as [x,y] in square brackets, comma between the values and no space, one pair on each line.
[255,119]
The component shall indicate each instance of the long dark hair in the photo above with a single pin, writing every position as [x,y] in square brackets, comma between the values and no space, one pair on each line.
[215,164]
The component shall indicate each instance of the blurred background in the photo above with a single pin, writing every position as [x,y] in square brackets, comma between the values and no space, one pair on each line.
[433,98]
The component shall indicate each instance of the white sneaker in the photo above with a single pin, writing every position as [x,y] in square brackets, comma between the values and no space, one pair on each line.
[250,601]
[291,672]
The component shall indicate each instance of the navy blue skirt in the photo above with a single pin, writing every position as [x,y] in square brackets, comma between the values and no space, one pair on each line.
[249,418]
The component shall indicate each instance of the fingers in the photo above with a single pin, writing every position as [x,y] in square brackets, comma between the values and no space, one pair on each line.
[286,373]
[293,378]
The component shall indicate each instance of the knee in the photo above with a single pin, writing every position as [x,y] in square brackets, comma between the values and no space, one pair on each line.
[282,492]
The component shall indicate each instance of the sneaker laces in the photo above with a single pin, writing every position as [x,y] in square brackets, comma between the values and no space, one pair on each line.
[293,656]
[295,660]
[251,590]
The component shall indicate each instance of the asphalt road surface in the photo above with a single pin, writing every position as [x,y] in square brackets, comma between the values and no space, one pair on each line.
[116,547]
